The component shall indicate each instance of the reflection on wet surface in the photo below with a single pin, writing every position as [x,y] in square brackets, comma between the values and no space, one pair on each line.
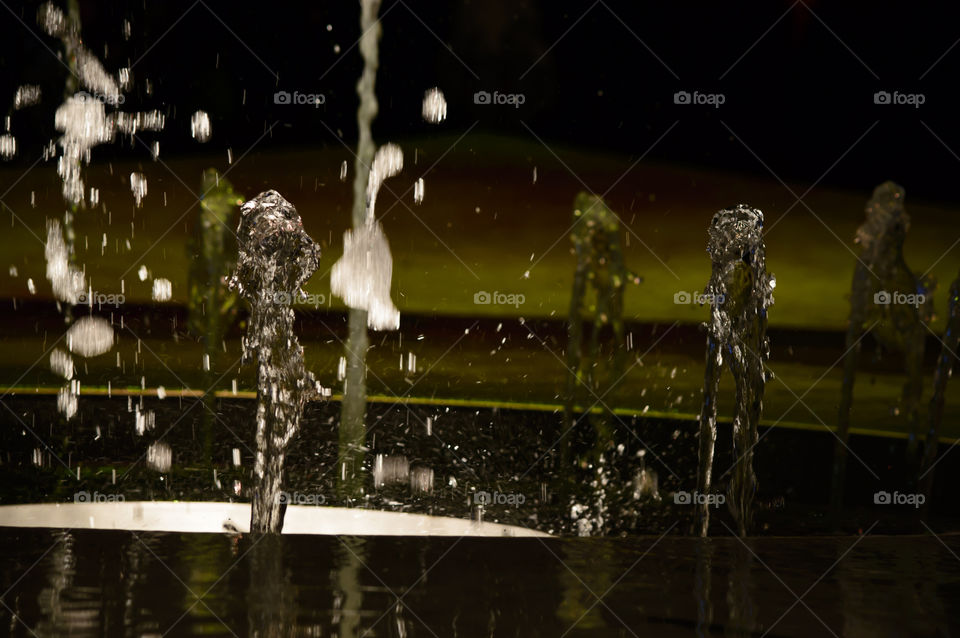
[86,583]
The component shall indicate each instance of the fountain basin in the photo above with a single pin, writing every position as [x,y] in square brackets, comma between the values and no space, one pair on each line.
[212,518]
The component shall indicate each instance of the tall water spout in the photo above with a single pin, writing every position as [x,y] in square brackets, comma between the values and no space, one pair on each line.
[888,300]
[276,257]
[353,410]
[739,292]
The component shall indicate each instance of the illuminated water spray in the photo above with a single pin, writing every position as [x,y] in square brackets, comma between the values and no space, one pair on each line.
[276,258]
[739,293]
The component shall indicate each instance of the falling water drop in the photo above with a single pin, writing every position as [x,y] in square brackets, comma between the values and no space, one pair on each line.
[434,106]
[162,289]
[8,146]
[138,186]
[200,128]
[159,456]
[90,336]
[26,95]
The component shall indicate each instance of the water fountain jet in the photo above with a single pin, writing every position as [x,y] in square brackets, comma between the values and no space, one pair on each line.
[879,304]
[739,293]
[276,258]
[600,266]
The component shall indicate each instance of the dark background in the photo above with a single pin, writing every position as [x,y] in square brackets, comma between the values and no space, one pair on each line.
[799,97]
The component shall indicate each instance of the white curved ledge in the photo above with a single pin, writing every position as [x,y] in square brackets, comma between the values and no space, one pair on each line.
[213,518]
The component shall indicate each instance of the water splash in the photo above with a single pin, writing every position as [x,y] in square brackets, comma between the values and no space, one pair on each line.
[276,258]
[82,117]
[84,122]
[363,275]
[739,291]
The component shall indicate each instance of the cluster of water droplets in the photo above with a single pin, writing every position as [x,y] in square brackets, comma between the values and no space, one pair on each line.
[26,95]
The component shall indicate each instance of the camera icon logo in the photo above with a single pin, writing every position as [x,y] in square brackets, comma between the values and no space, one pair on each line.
[881,97]
[681,97]
[281,97]
[282,298]
[882,498]
[482,298]
[283,498]
[81,497]
[682,298]
[481,97]
[882,298]
[682,498]
[482,498]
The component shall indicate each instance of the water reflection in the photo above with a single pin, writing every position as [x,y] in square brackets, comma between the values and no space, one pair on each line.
[85,583]
[271,599]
